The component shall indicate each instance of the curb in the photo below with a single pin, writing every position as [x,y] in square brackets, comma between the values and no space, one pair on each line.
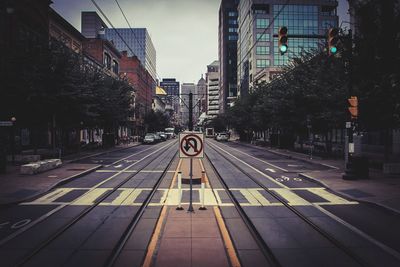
[99,153]
[61,182]
[289,156]
[312,179]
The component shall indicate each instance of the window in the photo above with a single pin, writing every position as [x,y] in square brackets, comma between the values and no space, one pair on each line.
[107,61]
[232,37]
[262,63]
[262,50]
[232,14]
[262,23]
[115,67]
[233,30]
[233,22]
[263,37]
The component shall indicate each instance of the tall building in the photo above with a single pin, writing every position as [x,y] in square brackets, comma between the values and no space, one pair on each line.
[307,22]
[227,52]
[212,78]
[91,24]
[186,89]
[139,41]
[201,96]
[172,86]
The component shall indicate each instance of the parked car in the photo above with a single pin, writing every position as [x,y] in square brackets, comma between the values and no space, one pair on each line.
[149,139]
[221,137]
[163,136]
[157,137]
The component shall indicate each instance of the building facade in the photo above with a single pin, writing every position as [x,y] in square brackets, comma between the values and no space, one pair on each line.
[138,39]
[91,24]
[201,96]
[227,52]
[142,82]
[171,87]
[212,78]
[258,55]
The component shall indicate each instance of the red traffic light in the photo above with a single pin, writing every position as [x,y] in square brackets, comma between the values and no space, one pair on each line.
[353,108]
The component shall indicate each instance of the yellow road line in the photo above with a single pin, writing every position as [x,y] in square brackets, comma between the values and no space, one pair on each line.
[156,235]
[233,258]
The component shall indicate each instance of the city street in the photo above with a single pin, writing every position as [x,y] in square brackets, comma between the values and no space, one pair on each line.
[124,214]
[187,133]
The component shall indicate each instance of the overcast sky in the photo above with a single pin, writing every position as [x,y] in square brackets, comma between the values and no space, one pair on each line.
[184,32]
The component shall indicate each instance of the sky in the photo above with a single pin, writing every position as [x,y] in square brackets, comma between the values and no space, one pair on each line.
[184,32]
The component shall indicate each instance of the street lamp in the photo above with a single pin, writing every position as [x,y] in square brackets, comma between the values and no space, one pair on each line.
[13,120]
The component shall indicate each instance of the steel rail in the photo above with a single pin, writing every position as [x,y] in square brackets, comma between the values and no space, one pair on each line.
[77,218]
[266,251]
[135,220]
[321,231]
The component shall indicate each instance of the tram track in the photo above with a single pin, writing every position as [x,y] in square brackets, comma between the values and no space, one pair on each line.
[266,250]
[161,154]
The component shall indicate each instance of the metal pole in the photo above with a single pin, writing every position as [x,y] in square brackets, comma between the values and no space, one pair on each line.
[190,112]
[190,209]
[349,172]
[179,191]
[202,192]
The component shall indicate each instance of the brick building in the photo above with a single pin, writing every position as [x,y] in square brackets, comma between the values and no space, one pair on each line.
[143,84]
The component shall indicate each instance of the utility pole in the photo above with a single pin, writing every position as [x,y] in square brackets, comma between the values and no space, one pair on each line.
[190,111]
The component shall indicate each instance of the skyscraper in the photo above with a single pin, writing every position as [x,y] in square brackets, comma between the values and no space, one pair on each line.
[307,23]
[139,41]
[227,43]
[172,86]
[212,78]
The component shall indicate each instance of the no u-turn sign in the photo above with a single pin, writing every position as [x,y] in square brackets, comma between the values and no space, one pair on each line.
[191,145]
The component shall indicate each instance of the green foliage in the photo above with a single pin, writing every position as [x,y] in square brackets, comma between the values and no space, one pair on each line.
[311,87]
[156,121]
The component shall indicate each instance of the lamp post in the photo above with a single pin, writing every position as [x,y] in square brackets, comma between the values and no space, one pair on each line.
[13,120]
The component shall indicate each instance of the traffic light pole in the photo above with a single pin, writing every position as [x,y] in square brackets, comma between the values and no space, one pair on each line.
[349,171]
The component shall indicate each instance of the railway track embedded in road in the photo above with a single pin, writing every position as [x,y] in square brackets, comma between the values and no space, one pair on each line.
[266,250]
[164,155]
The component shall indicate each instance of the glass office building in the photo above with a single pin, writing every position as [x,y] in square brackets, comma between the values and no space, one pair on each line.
[139,41]
[259,58]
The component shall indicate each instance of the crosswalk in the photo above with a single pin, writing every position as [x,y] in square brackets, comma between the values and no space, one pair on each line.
[170,197]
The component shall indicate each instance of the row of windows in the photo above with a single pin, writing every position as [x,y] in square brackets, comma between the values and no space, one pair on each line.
[263,63]
[232,14]
[233,22]
[262,23]
[263,37]
[232,37]
[233,29]
[262,50]
[296,9]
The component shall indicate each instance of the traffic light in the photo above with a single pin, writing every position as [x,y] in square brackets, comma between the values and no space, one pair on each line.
[333,39]
[282,40]
[353,108]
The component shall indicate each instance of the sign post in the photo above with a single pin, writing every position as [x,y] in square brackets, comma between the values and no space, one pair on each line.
[191,145]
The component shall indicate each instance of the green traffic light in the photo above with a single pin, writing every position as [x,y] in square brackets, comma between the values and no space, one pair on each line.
[283,48]
[333,50]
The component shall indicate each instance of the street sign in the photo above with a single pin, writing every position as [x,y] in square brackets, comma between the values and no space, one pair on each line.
[191,145]
[6,123]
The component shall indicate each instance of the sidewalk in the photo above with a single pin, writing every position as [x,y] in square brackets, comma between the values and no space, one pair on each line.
[379,189]
[16,187]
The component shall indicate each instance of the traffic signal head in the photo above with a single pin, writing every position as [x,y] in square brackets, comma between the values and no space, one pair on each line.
[333,39]
[353,108]
[282,40]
